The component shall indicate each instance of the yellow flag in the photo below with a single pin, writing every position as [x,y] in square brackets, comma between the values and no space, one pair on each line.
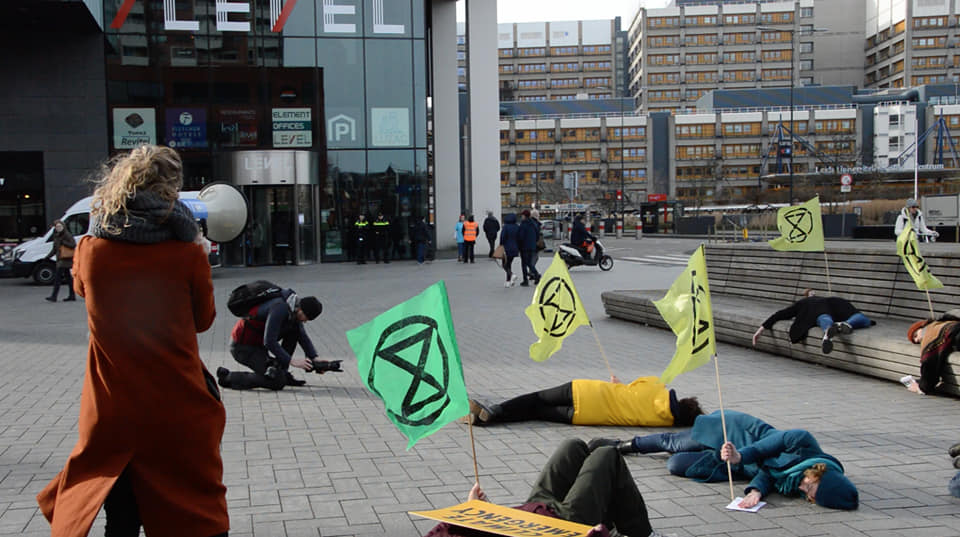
[909,252]
[556,310]
[687,310]
[801,228]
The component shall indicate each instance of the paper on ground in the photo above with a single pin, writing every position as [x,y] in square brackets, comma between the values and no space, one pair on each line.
[735,506]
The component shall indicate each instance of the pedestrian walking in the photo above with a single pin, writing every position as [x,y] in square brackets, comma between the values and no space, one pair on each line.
[421,239]
[381,237]
[151,420]
[509,239]
[458,235]
[470,231]
[528,249]
[490,228]
[62,251]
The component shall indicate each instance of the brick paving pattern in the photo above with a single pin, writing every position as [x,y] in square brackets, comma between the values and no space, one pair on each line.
[325,460]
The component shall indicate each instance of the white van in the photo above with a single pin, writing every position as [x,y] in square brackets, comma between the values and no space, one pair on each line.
[29,260]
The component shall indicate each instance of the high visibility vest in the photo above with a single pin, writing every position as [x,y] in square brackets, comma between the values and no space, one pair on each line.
[470,231]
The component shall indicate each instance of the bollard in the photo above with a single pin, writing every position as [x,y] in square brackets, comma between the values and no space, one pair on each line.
[746,236]
[639,229]
[619,230]
[602,229]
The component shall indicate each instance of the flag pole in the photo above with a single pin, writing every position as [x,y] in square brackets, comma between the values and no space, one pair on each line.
[602,353]
[723,422]
[473,446]
[826,265]
[930,304]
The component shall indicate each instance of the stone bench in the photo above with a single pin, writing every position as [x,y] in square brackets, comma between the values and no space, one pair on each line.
[748,282]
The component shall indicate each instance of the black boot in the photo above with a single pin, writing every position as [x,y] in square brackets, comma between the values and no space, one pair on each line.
[222,374]
[625,447]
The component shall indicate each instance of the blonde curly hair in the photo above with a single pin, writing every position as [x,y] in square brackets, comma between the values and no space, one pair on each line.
[153,168]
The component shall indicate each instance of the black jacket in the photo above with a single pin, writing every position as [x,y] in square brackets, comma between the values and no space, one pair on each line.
[280,322]
[527,238]
[421,232]
[805,312]
[579,233]
[491,227]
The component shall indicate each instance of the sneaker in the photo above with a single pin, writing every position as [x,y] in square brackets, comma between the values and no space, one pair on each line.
[954,450]
[506,283]
[514,280]
[479,414]
[833,330]
[524,284]
[956,462]
[845,328]
[222,373]
[50,299]
[907,381]
[595,443]
[826,346]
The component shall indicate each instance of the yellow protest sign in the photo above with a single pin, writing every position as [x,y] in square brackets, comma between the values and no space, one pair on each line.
[801,228]
[485,516]
[686,308]
[909,252]
[556,310]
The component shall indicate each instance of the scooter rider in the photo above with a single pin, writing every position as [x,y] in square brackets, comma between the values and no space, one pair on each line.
[273,328]
[579,237]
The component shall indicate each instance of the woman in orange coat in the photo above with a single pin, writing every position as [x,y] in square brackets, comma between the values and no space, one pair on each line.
[151,419]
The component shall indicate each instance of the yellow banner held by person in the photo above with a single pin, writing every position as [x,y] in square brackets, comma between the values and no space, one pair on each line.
[491,518]
[801,228]
[687,310]
[909,252]
[556,310]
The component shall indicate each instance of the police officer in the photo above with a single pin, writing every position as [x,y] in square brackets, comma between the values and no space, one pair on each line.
[360,228]
[381,237]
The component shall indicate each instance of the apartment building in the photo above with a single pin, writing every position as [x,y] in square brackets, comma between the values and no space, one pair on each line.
[557,61]
[571,158]
[911,42]
[680,52]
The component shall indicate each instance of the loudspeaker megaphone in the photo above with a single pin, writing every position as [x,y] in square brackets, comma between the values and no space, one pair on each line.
[225,211]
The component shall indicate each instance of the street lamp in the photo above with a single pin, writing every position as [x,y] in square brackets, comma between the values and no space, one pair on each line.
[622,201]
[793,58]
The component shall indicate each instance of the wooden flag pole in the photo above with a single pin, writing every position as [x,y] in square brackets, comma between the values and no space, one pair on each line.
[930,303]
[602,353]
[826,265]
[723,423]
[473,445]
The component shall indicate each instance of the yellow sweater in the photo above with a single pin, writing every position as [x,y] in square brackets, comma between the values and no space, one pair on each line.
[644,402]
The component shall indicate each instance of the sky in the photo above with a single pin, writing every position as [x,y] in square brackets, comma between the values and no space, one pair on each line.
[569,10]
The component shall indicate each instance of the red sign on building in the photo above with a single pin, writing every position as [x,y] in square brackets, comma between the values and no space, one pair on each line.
[656,197]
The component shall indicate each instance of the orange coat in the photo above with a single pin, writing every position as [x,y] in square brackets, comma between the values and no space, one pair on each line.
[146,405]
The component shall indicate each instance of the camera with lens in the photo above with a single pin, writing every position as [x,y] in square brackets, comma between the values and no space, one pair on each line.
[322,366]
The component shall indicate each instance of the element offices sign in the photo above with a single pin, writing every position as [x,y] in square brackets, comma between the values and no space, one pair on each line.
[279,13]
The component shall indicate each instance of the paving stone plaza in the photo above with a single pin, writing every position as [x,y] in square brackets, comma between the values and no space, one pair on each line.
[325,460]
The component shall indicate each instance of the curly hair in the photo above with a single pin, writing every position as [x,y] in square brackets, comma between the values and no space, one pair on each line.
[154,168]
[688,409]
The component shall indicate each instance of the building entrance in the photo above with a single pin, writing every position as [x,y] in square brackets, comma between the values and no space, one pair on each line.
[21,196]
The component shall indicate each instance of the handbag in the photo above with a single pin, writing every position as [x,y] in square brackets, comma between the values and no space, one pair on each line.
[499,253]
[65,253]
[541,246]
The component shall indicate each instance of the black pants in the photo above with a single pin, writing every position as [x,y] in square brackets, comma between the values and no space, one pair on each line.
[361,251]
[62,276]
[552,404]
[468,250]
[592,488]
[491,239]
[931,370]
[123,514]
[256,358]
[528,263]
[508,265]
[382,250]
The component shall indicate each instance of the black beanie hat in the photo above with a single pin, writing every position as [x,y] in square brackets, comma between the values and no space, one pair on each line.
[311,307]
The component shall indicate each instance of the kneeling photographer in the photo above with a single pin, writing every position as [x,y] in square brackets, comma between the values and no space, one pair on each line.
[266,336]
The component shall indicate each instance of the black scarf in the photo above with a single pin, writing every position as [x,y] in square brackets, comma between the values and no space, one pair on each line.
[149,220]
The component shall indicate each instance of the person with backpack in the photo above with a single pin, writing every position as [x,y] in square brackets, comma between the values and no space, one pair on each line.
[265,338]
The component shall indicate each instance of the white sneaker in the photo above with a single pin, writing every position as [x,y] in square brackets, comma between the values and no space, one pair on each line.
[514,281]
[907,380]
[506,284]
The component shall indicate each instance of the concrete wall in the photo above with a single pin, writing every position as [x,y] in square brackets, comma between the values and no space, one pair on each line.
[482,187]
[446,139]
[53,100]
[838,53]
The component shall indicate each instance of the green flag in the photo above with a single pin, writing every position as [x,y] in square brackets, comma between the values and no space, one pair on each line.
[801,228]
[408,357]
[909,252]
[556,310]
[686,308]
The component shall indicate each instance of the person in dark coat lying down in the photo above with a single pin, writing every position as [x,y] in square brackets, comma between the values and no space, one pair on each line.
[824,312]
[789,462]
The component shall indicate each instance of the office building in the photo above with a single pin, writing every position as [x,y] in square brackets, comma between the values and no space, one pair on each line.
[911,43]
[680,52]
[317,110]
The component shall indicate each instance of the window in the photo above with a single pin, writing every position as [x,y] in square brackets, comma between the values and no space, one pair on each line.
[894,121]
[806,12]
[806,65]
[806,48]
[895,143]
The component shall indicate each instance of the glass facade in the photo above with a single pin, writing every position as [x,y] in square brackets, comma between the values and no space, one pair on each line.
[345,79]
